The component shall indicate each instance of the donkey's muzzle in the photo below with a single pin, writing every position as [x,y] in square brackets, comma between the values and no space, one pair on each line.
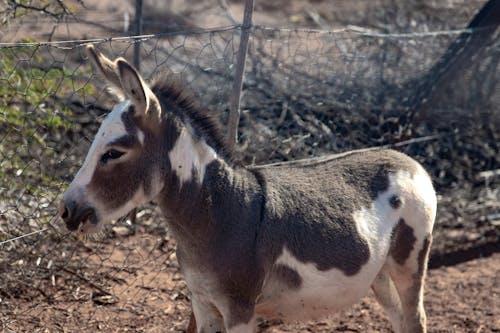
[74,215]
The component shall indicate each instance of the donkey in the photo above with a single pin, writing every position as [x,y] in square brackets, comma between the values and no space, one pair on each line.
[291,241]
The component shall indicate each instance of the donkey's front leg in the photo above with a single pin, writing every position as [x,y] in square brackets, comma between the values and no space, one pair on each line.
[207,319]
[240,317]
[191,328]
[250,327]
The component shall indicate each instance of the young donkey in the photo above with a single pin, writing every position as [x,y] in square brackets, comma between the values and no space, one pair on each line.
[291,241]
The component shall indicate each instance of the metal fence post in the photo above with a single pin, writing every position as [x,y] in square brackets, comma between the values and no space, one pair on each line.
[137,63]
[234,102]
[138,32]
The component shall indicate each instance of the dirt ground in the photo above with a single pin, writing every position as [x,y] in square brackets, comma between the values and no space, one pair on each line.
[148,294]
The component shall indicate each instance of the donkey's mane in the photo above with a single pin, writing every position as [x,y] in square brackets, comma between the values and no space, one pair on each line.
[174,98]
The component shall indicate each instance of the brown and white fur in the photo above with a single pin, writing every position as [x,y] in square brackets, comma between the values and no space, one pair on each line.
[291,241]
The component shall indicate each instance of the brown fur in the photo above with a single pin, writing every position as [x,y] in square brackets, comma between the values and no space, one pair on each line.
[287,275]
[423,255]
[402,242]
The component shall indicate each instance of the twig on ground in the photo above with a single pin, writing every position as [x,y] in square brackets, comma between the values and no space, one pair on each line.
[86,280]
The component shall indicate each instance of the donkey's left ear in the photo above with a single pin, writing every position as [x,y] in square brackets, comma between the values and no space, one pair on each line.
[105,66]
[134,87]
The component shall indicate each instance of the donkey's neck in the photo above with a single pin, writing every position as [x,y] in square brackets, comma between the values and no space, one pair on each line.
[198,214]
[184,196]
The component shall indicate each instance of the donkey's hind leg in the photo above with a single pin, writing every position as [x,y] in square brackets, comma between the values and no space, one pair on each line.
[387,296]
[409,279]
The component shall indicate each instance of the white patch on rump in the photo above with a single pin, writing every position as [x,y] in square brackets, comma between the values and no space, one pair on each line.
[376,223]
[418,211]
[188,154]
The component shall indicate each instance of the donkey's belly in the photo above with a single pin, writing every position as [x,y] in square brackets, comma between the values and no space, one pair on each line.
[313,294]
[310,303]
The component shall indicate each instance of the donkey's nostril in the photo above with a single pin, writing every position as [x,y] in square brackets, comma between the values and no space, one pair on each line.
[65,213]
[68,211]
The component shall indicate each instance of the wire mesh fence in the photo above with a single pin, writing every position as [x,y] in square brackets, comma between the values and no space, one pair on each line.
[306,93]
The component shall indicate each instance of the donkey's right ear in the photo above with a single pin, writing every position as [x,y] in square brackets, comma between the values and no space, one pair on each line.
[107,67]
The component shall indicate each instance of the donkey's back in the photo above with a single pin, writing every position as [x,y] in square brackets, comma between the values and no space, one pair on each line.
[336,226]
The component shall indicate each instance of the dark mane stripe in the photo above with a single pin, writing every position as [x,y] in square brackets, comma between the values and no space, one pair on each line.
[174,99]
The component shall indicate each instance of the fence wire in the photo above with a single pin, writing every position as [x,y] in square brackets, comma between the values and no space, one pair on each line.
[306,93]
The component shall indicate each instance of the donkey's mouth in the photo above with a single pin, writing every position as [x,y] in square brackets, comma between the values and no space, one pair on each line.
[82,220]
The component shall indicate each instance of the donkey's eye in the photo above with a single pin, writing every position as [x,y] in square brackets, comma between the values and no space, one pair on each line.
[111,154]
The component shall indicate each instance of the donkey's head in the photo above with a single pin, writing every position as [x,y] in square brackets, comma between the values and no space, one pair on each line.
[121,170]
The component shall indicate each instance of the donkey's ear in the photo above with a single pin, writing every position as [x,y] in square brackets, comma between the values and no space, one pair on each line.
[107,67]
[133,86]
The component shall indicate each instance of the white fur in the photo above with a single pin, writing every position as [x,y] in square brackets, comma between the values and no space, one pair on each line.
[140,136]
[387,296]
[424,191]
[188,154]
